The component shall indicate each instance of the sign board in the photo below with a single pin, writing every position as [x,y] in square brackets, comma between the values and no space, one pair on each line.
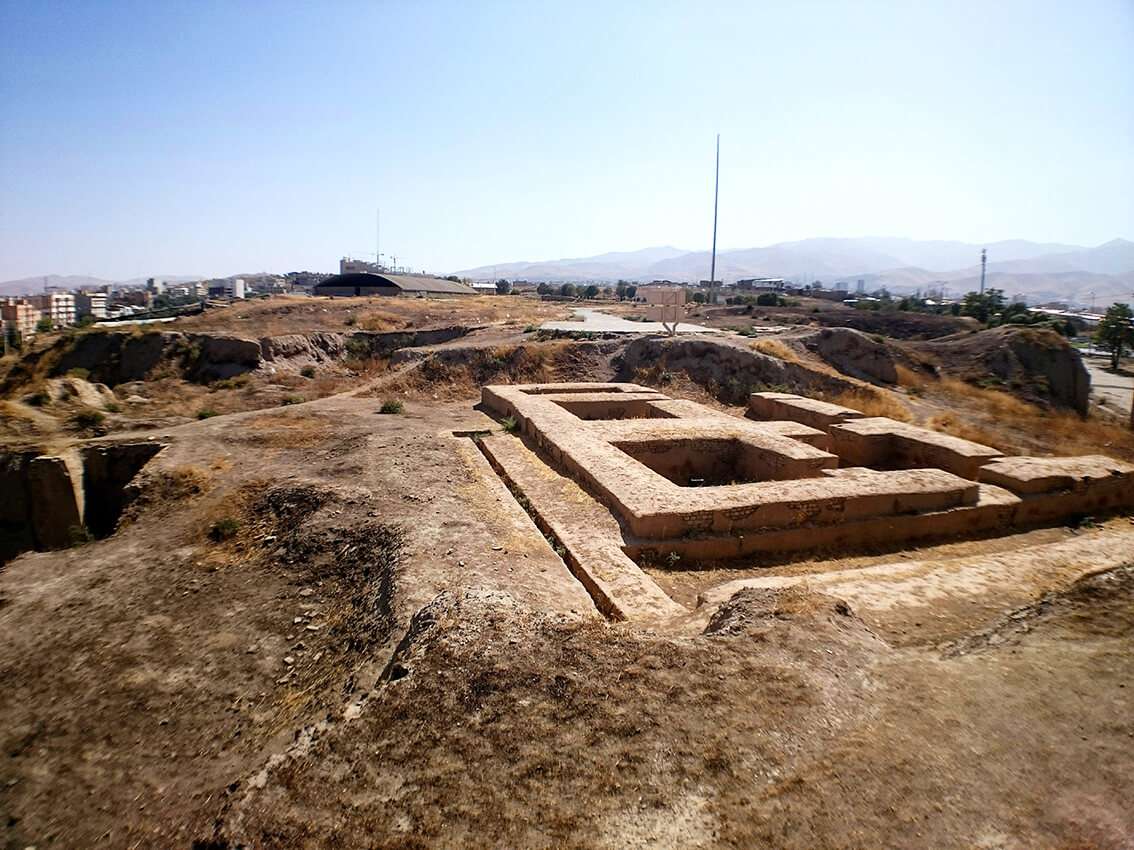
[671,296]
[666,304]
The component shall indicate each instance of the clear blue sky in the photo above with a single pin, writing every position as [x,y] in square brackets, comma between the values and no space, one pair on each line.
[213,138]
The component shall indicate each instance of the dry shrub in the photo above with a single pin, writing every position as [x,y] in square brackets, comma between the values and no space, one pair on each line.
[775,348]
[874,402]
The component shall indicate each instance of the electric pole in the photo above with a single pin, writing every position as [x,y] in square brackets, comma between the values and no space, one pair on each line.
[716,196]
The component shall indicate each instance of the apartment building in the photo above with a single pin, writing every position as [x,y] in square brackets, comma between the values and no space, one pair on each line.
[90,304]
[19,317]
[59,307]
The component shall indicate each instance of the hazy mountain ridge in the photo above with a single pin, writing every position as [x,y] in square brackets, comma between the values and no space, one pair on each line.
[1040,271]
[31,285]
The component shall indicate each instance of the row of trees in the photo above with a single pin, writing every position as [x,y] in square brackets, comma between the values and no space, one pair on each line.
[624,291]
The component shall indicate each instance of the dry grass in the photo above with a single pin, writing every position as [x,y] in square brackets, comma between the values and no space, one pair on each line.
[874,402]
[994,402]
[164,487]
[460,373]
[949,423]
[1002,420]
[908,377]
[775,348]
[300,314]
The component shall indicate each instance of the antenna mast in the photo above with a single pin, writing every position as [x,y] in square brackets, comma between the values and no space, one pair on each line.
[983,262]
[716,196]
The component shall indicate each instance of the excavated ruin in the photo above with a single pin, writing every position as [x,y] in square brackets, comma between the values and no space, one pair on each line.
[52,501]
[623,476]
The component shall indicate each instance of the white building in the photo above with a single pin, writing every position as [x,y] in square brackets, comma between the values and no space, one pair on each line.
[59,307]
[234,287]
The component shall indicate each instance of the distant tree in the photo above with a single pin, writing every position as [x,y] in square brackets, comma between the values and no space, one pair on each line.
[503,287]
[543,289]
[620,290]
[1116,332]
[44,325]
[568,289]
[591,291]
[1017,313]
[453,278]
[631,292]
[699,297]
[769,299]
[983,307]
[607,292]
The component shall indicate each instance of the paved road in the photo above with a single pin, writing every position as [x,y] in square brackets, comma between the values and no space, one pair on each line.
[1113,391]
[595,321]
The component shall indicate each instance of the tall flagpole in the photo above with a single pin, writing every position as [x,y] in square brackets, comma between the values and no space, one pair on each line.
[716,196]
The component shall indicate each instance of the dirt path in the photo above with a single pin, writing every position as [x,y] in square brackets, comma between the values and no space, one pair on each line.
[1112,390]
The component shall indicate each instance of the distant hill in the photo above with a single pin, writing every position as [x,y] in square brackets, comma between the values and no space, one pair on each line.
[30,285]
[1035,270]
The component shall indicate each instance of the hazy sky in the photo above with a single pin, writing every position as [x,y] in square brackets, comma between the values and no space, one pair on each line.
[213,138]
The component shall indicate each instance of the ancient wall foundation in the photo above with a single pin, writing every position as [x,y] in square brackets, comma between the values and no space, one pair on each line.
[685,482]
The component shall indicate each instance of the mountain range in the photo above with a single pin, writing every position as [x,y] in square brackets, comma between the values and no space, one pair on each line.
[1038,271]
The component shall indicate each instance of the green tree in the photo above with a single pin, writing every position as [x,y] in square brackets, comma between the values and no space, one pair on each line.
[543,289]
[503,287]
[698,297]
[591,291]
[567,289]
[1116,332]
[620,290]
[44,325]
[983,307]
[631,292]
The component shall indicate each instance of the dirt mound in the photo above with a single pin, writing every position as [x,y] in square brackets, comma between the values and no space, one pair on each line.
[173,673]
[856,354]
[1101,604]
[460,372]
[79,391]
[647,730]
[897,324]
[1033,363]
[731,371]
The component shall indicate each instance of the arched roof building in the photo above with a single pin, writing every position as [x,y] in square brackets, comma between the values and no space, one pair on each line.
[371,283]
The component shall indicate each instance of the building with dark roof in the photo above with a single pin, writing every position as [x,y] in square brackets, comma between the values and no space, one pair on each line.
[371,283]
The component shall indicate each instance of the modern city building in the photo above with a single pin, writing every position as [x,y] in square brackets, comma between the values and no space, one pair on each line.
[59,307]
[90,304]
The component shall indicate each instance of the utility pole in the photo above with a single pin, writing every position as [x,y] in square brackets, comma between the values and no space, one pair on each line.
[983,263]
[716,196]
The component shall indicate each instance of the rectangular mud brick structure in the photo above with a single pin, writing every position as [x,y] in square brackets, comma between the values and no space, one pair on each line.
[675,469]
[677,480]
